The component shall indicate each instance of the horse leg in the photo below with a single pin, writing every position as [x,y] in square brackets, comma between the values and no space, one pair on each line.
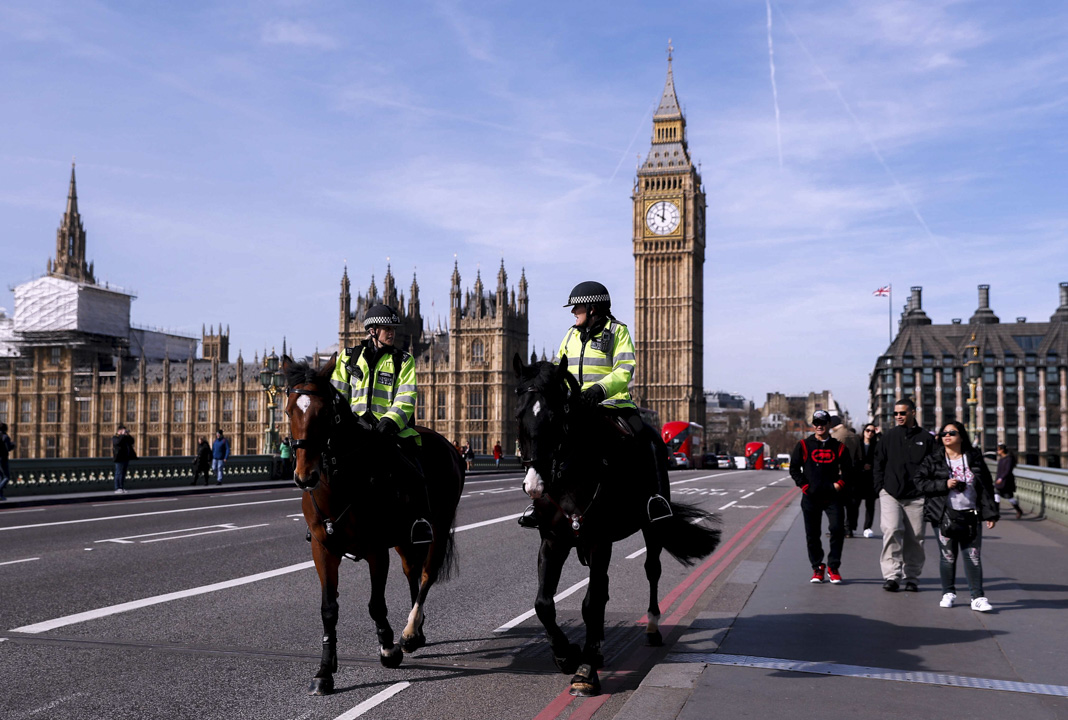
[551,559]
[390,655]
[419,581]
[327,565]
[585,682]
[652,574]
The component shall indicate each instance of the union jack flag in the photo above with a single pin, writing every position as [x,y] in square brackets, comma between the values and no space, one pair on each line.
[882,292]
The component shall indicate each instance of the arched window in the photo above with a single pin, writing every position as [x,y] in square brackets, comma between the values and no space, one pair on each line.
[477,351]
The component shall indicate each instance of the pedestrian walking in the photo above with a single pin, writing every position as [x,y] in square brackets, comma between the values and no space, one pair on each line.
[6,446]
[469,455]
[1005,483]
[848,436]
[497,452]
[202,461]
[959,498]
[285,451]
[122,449]
[819,465]
[220,451]
[863,488]
[897,459]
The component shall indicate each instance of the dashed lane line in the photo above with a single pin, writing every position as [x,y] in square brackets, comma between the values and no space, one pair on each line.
[14,562]
[530,613]
[702,477]
[147,514]
[732,502]
[373,701]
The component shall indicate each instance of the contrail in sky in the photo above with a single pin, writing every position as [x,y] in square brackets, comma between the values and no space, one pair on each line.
[864,133]
[774,89]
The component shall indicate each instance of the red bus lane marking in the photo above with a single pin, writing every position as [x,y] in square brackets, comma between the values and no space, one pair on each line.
[643,653]
[672,596]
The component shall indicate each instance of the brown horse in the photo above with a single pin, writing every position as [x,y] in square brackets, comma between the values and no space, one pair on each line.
[354,510]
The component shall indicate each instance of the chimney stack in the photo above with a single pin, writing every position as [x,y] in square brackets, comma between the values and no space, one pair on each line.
[983,314]
[914,314]
[1062,312]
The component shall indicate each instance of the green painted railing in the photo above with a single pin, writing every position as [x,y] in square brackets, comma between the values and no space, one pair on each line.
[73,475]
[1042,491]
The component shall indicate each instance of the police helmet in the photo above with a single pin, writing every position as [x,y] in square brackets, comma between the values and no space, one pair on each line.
[380,315]
[590,292]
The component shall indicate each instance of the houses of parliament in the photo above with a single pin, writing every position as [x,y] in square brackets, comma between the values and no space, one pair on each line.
[73,368]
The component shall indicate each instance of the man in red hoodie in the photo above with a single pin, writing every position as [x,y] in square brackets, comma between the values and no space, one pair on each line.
[819,465]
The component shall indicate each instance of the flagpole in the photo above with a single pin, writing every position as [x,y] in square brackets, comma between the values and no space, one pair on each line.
[890,315]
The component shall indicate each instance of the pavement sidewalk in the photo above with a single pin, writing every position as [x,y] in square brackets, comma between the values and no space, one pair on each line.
[856,650]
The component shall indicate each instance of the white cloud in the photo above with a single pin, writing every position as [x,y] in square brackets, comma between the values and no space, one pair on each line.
[297,34]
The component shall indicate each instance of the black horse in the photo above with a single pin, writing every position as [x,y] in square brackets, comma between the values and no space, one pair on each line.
[590,484]
[353,508]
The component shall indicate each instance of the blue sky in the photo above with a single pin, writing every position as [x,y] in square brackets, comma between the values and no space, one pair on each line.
[232,157]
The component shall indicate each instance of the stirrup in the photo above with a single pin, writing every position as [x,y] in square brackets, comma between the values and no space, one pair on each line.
[422,533]
[528,519]
[658,508]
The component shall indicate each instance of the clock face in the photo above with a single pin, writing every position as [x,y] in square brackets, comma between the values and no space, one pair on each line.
[662,217]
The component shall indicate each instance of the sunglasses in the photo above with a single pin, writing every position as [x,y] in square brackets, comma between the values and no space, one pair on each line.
[901,412]
[869,430]
[949,433]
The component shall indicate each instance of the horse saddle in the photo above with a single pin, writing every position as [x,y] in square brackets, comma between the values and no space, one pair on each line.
[626,427]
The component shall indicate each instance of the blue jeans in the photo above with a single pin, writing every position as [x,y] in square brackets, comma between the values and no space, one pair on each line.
[949,550]
[120,473]
[217,468]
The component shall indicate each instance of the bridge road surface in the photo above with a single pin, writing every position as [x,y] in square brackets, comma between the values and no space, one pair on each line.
[207,606]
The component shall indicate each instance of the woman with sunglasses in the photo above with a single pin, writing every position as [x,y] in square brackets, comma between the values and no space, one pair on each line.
[863,489]
[957,483]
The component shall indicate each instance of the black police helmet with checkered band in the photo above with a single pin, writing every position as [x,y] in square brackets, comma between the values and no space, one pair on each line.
[590,292]
[380,315]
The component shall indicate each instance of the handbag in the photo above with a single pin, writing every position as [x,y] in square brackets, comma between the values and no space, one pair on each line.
[960,525]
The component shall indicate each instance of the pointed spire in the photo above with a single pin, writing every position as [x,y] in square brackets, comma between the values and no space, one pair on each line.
[455,273]
[669,102]
[72,193]
[502,279]
[70,241]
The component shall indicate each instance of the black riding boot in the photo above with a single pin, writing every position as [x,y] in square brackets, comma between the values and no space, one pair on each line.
[658,507]
[422,532]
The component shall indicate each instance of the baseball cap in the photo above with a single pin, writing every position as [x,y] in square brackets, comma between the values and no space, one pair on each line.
[821,417]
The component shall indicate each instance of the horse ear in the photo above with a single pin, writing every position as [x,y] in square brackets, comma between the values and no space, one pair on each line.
[286,362]
[328,369]
[517,365]
[562,367]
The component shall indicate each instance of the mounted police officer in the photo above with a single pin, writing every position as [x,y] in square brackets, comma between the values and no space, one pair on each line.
[378,380]
[600,355]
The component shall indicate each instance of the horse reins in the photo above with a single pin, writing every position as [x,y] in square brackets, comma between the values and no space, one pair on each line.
[327,456]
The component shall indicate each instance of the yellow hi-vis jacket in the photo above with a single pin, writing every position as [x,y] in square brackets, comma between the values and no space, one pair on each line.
[606,359]
[388,391]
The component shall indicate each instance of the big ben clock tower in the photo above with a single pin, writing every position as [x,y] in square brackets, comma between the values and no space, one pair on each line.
[669,259]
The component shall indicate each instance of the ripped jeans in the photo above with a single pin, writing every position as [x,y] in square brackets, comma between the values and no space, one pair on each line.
[948,550]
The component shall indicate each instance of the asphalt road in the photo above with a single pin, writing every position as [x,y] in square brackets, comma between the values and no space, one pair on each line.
[207,606]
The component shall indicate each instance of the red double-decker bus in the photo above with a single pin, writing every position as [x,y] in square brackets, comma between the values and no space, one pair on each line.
[685,442]
[757,455]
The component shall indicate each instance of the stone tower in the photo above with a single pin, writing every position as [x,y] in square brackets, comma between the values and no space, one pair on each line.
[70,242]
[350,328]
[669,258]
[215,345]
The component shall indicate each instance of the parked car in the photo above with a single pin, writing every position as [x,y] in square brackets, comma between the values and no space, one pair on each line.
[724,462]
[679,460]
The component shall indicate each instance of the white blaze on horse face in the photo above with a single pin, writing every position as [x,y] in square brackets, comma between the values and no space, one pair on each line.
[303,402]
[533,485]
[537,407]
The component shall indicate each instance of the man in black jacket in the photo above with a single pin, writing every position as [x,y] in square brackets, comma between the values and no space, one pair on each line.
[897,458]
[819,465]
[122,446]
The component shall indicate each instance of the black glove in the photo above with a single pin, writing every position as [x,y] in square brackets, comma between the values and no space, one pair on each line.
[387,427]
[594,395]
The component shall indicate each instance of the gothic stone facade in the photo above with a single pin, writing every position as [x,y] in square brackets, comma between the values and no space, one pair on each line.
[466,384]
[669,258]
[1022,391]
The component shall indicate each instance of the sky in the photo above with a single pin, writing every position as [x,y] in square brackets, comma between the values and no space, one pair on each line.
[232,158]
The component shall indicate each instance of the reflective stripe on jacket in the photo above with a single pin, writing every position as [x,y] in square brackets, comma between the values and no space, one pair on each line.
[385,392]
[606,359]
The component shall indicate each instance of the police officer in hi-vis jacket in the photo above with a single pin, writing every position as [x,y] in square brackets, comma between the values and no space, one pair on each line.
[600,355]
[378,380]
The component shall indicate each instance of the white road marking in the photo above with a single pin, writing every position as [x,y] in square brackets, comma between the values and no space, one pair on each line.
[511,478]
[295,515]
[763,487]
[159,599]
[732,502]
[208,530]
[134,502]
[146,514]
[703,477]
[15,562]
[494,521]
[749,495]
[372,701]
[496,491]
[636,553]
[530,613]
[26,510]
[775,482]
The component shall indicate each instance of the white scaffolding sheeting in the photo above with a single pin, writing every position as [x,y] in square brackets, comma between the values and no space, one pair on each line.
[7,335]
[51,304]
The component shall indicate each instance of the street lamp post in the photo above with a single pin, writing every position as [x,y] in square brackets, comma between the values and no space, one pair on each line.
[973,369]
[272,380]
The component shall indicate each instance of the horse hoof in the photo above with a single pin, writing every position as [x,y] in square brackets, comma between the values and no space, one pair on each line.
[654,639]
[568,662]
[321,686]
[585,682]
[413,643]
[391,658]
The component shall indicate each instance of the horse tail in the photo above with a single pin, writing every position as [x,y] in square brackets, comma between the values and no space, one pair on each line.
[448,561]
[689,535]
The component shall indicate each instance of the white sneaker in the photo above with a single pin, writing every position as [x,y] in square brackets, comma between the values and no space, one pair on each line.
[981,604]
[119,491]
[868,533]
[947,600]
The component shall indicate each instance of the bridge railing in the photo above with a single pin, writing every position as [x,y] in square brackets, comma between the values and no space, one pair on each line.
[1040,490]
[72,475]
